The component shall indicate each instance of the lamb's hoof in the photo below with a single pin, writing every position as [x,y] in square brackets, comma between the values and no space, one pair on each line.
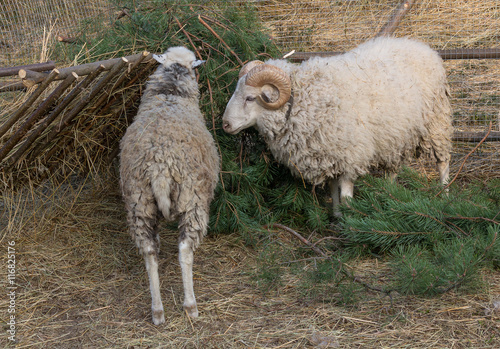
[191,310]
[158,317]
[337,214]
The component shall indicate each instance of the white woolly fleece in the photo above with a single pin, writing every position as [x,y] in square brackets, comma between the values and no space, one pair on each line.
[374,106]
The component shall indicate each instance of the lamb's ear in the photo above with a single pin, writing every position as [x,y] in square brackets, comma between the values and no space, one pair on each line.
[160,59]
[197,63]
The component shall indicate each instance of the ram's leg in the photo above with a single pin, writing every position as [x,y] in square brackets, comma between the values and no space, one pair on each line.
[335,195]
[340,190]
[444,171]
[346,189]
[186,258]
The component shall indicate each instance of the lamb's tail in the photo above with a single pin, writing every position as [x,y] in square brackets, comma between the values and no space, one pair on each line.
[162,190]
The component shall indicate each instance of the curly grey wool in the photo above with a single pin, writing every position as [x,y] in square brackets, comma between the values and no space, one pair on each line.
[169,164]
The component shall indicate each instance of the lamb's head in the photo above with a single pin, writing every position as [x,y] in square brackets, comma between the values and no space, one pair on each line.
[178,55]
[260,87]
[175,76]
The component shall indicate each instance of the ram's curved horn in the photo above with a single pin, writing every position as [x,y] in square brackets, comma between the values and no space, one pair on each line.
[247,67]
[266,74]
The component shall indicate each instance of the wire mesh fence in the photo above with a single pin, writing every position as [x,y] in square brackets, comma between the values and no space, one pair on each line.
[28,30]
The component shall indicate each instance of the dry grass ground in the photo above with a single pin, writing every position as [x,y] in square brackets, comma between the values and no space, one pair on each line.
[82,284]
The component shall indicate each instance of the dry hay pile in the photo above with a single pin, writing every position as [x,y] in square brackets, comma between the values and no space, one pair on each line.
[82,284]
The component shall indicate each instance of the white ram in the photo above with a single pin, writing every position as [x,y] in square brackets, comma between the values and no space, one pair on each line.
[333,119]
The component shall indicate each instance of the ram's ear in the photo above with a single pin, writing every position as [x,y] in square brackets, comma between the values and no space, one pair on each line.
[269,94]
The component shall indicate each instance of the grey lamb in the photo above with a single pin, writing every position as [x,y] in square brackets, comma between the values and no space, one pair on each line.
[332,119]
[169,164]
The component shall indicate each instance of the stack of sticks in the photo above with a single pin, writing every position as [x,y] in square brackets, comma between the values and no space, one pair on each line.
[40,128]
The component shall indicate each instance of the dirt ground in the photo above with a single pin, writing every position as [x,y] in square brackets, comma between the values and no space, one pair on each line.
[81,284]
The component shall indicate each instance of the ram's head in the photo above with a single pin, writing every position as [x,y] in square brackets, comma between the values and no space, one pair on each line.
[260,87]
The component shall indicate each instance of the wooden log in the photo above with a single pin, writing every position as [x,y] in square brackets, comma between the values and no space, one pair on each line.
[88,68]
[395,18]
[30,77]
[10,86]
[472,137]
[31,99]
[51,117]
[461,53]
[10,71]
[66,39]
[35,116]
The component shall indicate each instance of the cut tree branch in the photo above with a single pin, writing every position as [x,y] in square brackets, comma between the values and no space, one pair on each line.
[86,69]
[465,159]
[395,18]
[10,71]
[240,62]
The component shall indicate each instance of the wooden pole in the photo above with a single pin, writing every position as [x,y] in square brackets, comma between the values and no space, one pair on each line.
[31,99]
[472,137]
[35,116]
[10,71]
[395,18]
[86,69]
[461,53]
[30,77]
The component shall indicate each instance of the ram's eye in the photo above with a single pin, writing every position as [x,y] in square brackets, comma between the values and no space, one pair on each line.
[250,99]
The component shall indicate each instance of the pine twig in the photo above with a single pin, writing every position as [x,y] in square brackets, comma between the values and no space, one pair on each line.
[465,159]
[186,34]
[297,235]
[323,254]
[221,40]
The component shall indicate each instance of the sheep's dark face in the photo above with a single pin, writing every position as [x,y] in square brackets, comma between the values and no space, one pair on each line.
[175,76]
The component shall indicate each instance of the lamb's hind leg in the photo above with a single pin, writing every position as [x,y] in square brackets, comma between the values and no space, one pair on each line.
[193,227]
[142,219]
[151,259]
